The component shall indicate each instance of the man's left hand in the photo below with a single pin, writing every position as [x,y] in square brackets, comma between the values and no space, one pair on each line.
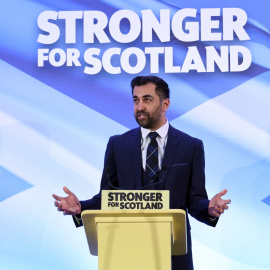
[217,205]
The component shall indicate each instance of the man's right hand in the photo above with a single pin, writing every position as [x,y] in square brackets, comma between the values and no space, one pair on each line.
[69,205]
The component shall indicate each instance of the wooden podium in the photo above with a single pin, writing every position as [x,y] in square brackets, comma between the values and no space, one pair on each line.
[135,239]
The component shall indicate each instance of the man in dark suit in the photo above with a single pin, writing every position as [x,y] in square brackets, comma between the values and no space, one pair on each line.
[179,164]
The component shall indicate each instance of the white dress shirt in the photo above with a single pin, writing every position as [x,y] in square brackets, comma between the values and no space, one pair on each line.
[161,140]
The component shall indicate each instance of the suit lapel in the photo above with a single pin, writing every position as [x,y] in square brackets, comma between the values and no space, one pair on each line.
[170,150]
[136,156]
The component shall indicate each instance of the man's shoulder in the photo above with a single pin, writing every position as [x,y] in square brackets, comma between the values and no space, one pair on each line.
[129,133]
[173,132]
[182,135]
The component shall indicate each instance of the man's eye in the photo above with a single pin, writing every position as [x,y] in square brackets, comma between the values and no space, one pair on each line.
[135,100]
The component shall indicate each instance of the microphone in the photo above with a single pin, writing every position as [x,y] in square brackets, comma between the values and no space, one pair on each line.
[108,171]
[163,168]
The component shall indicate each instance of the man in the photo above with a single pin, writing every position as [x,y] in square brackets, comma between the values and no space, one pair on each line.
[138,157]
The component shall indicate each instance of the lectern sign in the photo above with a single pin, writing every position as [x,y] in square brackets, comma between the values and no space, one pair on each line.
[134,199]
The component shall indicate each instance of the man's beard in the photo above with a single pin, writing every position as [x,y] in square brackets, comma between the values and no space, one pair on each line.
[148,123]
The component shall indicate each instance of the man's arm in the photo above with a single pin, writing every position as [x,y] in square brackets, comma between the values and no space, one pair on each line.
[198,204]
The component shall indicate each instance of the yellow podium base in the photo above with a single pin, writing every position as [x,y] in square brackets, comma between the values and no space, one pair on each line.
[140,244]
[136,239]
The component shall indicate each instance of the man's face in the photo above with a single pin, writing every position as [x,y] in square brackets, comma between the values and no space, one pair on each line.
[149,110]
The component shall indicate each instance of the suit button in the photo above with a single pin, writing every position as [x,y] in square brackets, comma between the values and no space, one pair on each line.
[151,181]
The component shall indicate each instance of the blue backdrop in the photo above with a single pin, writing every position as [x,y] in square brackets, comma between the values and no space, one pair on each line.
[55,123]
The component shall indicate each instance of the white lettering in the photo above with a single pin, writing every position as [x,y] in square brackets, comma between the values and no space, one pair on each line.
[169,67]
[231,25]
[135,26]
[150,23]
[193,61]
[73,57]
[70,18]
[51,28]
[234,58]
[57,53]
[42,57]
[191,27]
[207,24]
[141,60]
[212,58]
[92,29]
[95,62]
[154,53]
[107,58]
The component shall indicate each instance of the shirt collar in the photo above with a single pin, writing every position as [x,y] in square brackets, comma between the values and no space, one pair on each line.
[162,131]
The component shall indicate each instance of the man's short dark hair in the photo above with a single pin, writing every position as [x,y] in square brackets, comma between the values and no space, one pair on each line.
[162,88]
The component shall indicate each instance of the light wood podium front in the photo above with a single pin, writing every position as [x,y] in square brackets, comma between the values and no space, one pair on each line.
[135,239]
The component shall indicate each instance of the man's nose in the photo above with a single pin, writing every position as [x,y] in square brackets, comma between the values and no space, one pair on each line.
[140,106]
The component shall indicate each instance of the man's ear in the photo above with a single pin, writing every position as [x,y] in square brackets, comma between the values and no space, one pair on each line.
[166,104]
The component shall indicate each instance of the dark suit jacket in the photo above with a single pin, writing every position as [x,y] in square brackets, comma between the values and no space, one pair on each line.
[184,176]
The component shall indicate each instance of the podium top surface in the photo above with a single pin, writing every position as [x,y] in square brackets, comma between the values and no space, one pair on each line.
[133,212]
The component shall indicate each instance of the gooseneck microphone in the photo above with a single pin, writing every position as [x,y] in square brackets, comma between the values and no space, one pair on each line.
[163,169]
[108,172]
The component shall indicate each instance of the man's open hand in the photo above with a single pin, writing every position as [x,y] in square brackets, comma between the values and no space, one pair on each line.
[69,205]
[217,205]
